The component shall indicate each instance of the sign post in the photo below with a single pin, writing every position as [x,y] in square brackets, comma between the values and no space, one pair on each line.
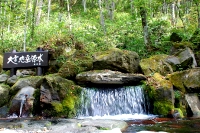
[19,60]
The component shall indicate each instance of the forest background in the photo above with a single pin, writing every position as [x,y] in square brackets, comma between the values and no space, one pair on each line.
[143,26]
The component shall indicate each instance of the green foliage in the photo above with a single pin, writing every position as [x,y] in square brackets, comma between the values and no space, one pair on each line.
[124,31]
[177,94]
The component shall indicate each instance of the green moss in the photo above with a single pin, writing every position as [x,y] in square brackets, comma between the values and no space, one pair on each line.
[36,103]
[57,106]
[154,64]
[180,112]
[162,108]
[180,45]
[177,80]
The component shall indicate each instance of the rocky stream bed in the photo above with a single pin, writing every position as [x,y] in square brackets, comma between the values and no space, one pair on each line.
[58,125]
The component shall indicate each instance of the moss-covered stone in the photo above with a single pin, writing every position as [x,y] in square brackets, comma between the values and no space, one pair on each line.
[57,106]
[180,113]
[160,92]
[163,108]
[4,94]
[34,81]
[187,80]
[68,99]
[79,63]
[155,64]
[117,60]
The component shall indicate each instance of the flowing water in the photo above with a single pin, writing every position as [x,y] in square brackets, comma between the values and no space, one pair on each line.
[129,103]
[125,102]
[22,105]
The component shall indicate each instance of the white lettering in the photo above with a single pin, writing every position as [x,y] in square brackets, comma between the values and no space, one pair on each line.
[36,60]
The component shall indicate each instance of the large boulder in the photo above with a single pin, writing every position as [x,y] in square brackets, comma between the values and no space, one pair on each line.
[33,81]
[187,80]
[108,77]
[58,97]
[161,94]
[79,62]
[22,103]
[182,60]
[3,78]
[117,60]
[156,64]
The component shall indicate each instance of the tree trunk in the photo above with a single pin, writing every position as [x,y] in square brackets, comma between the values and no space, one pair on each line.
[25,25]
[102,17]
[69,16]
[2,23]
[84,5]
[49,10]
[39,5]
[143,15]
[111,9]
[33,19]
[173,19]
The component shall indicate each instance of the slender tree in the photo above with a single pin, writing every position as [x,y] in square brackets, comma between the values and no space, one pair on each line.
[69,16]
[84,2]
[25,25]
[143,14]
[39,12]
[49,10]
[102,22]
[33,19]
[2,16]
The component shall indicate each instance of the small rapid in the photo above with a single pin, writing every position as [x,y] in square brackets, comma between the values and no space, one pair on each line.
[122,102]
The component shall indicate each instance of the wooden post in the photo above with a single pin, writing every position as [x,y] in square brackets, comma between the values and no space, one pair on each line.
[39,69]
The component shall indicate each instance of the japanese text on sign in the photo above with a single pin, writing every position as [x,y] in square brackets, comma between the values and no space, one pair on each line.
[35,59]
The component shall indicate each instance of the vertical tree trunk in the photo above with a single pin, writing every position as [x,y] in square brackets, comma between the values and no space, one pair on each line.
[39,12]
[173,16]
[2,22]
[33,19]
[102,17]
[143,15]
[111,9]
[132,7]
[49,10]
[69,16]
[25,25]
[84,5]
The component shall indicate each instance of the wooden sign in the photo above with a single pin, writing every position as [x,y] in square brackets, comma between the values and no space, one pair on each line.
[25,59]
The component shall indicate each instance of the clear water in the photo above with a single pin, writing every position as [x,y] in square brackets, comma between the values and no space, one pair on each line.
[123,102]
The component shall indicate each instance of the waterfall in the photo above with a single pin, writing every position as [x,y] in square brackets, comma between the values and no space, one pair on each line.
[111,101]
[21,105]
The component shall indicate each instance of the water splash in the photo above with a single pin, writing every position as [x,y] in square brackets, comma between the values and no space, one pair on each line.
[113,101]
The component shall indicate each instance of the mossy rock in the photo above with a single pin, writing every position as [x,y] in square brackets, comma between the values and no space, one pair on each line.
[34,81]
[117,60]
[4,94]
[179,111]
[160,92]
[79,62]
[69,96]
[155,64]
[183,45]
[187,80]
[163,108]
